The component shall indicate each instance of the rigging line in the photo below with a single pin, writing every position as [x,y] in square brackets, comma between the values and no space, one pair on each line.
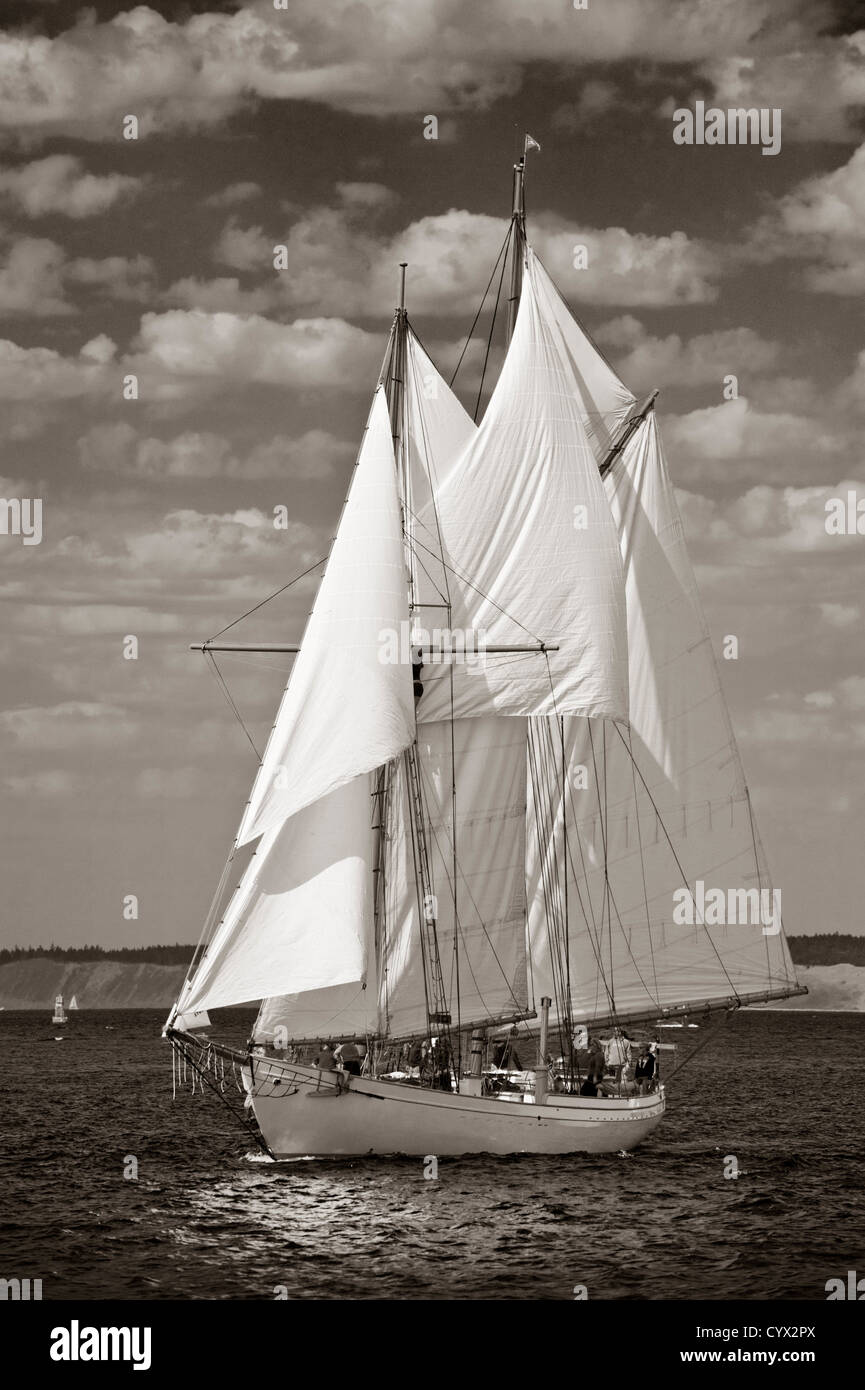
[458,923]
[210,919]
[490,338]
[486,597]
[642,862]
[596,944]
[483,302]
[275,594]
[680,868]
[550,882]
[418,876]
[227,693]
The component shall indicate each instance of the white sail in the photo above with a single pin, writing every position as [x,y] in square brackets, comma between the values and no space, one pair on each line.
[605,401]
[302,917]
[346,708]
[486,956]
[530,545]
[664,804]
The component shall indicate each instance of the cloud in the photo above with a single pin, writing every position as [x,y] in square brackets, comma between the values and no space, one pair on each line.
[232,195]
[65,727]
[696,361]
[187,345]
[822,221]
[338,265]
[41,374]
[736,434]
[374,59]
[50,782]
[596,97]
[31,280]
[36,275]
[119,449]
[770,521]
[819,85]
[60,184]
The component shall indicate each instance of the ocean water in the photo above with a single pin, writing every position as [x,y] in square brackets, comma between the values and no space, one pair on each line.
[209,1218]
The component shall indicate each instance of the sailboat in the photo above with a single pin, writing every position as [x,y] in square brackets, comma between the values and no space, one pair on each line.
[59,1011]
[73,1003]
[502,755]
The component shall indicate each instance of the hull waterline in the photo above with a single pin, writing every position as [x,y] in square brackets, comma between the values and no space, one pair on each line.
[302,1112]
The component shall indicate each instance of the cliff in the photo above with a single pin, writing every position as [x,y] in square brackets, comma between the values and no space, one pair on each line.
[101,984]
[113,984]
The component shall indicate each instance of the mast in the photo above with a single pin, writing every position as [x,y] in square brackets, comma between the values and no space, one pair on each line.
[518,243]
[438,1012]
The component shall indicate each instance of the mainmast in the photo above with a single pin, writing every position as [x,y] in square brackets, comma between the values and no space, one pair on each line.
[518,243]
[437,1006]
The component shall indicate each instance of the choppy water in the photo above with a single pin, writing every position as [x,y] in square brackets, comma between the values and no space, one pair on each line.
[782,1092]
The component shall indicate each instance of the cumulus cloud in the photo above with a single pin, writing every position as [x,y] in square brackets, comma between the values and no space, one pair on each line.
[705,358]
[338,265]
[822,221]
[36,275]
[187,344]
[60,184]
[118,448]
[735,441]
[41,374]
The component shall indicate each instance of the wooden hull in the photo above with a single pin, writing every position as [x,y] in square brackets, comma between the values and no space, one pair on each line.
[303,1112]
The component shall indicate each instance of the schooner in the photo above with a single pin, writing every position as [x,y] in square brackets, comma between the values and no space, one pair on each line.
[502,752]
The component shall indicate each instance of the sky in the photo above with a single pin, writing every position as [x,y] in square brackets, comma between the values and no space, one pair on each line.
[305,126]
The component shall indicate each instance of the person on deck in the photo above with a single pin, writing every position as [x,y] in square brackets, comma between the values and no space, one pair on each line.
[597,1063]
[349,1054]
[644,1072]
[326,1059]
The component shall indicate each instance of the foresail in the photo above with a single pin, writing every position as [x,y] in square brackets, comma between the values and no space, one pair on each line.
[301,918]
[347,707]
[653,810]
[523,527]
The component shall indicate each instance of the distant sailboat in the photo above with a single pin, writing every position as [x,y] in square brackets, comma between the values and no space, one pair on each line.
[59,1011]
[73,1002]
[446,846]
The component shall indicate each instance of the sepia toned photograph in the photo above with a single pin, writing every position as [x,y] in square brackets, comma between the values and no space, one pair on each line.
[433,706]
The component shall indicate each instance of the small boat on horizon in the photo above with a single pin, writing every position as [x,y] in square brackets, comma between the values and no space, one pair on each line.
[59,1011]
